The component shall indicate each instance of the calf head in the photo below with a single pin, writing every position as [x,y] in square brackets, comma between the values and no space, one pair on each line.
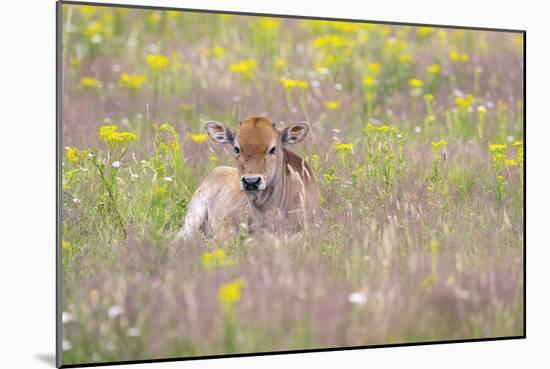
[258,148]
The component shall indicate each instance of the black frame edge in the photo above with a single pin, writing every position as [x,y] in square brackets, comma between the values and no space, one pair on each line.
[291,16]
[58,174]
[287,352]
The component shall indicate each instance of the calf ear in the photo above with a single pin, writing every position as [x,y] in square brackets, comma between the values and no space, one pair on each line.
[219,132]
[294,133]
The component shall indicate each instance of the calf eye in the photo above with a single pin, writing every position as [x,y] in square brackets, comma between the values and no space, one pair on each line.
[237,151]
[273,150]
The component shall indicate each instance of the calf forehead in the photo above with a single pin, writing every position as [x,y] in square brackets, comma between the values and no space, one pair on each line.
[256,134]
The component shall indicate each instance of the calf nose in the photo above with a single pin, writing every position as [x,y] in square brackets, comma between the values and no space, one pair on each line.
[251,180]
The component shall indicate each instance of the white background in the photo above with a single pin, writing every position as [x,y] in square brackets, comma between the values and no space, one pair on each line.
[27,181]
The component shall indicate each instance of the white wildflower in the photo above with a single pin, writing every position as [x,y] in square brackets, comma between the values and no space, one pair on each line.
[66,345]
[115,311]
[358,298]
[67,317]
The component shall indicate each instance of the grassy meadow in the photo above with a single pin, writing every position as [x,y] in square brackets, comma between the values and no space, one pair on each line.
[416,143]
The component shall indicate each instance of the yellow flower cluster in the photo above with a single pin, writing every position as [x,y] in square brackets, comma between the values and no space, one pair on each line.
[415,83]
[231,293]
[511,163]
[496,148]
[518,145]
[458,57]
[433,68]
[65,245]
[289,84]
[73,154]
[197,137]
[217,52]
[132,81]
[332,105]
[90,82]
[245,68]
[369,81]
[436,145]
[157,61]
[334,41]
[424,32]
[464,103]
[269,24]
[373,68]
[92,28]
[216,258]
[343,148]
[385,129]
[499,155]
[111,137]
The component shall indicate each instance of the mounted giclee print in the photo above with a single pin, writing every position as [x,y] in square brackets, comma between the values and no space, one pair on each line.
[235,184]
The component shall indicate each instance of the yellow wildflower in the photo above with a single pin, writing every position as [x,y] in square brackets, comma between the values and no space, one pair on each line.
[90,82]
[153,18]
[216,258]
[458,57]
[373,68]
[65,245]
[132,81]
[511,163]
[517,144]
[157,61]
[197,137]
[245,68]
[111,137]
[344,148]
[87,10]
[92,28]
[464,103]
[384,129]
[500,178]
[433,68]
[335,41]
[269,24]
[332,105]
[231,293]
[436,145]
[293,83]
[415,83]
[369,81]
[217,52]
[423,32]
[73,154]
[497,147]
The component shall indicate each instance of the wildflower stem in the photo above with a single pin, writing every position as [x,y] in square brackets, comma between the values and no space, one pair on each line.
[108,187]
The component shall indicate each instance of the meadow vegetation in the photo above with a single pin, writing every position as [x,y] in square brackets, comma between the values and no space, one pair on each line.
[416,143]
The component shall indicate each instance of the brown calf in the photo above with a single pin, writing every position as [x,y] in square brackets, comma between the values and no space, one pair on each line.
[272,188]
